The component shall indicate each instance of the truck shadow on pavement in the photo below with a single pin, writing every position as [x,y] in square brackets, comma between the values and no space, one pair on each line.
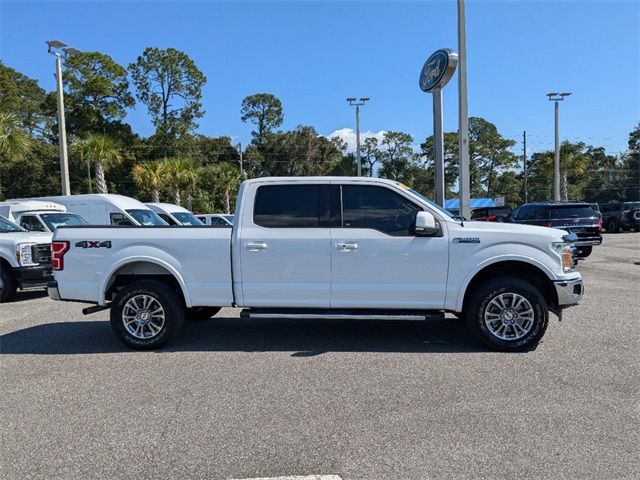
[303,338]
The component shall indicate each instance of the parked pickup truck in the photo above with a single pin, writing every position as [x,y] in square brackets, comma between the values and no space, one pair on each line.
[322,247]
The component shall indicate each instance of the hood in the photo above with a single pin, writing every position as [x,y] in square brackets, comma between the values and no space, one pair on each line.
[24,237]
[513,228]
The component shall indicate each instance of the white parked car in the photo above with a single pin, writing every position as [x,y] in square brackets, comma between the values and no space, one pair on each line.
[216,219]
[174,214]
[323,247]
[25,259]
[108,209]
[39,215]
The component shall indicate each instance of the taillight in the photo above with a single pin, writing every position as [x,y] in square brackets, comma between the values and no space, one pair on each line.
[491,218]
[600,227]
[547,224]
[58,249]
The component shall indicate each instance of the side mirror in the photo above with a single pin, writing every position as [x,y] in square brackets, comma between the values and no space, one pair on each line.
[426,225]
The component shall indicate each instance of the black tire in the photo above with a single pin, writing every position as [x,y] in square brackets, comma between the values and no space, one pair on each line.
[584,252]
[165,296]
[480,301]
[613,225]
[8,284]
[198,314]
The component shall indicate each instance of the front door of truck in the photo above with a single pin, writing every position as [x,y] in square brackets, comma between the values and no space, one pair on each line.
[377,260]
[285,252]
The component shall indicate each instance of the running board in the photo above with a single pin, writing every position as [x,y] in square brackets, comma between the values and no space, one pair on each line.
[306,313]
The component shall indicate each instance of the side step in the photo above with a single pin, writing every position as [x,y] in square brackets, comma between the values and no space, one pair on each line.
[342,314]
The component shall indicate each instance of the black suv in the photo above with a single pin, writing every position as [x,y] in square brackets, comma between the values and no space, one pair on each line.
[577,217]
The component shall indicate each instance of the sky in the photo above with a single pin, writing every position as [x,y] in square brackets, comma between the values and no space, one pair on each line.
[312,55]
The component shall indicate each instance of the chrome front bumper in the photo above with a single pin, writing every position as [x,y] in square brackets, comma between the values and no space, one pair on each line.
[569,291]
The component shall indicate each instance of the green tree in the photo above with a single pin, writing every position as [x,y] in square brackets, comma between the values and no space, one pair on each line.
[170,85]
[150,176]
[264,110]
[14,141]
[100,152]
[23,98]
[630,174]
[371,153]
[97,93]
[180,177]
[399,161]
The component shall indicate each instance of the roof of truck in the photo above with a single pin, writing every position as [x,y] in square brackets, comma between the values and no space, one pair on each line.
[166,207]
[120,201]
[28,205]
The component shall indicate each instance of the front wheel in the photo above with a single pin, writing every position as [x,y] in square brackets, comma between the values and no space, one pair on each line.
[612,226]
[146,314]
[507,314]
[8,284]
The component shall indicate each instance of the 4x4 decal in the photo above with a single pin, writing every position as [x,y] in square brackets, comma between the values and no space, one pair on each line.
[94,244]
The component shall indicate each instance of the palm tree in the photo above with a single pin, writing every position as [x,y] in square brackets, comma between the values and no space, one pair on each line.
[572,159]
[226,178]
[150,176]
[14,142]
[181,175]
[101,152]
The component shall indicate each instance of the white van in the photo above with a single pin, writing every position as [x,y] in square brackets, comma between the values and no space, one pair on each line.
[174,214]
[216,219]
[38,215]
[108,209]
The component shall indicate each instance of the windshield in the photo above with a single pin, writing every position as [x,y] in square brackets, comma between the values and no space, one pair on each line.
[6,226]
[435,206]
[572,211]
[146,217]
[187,218]
[55,220]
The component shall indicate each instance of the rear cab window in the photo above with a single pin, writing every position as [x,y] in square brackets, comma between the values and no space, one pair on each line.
[292,206]
[571,211]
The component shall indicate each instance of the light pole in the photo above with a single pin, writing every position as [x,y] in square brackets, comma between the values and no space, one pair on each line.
[241,166]
[358,103]
[61,50]
[463,115]
[556,97]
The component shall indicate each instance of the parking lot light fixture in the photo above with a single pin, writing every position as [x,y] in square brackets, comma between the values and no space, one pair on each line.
[556,97]
[358,103]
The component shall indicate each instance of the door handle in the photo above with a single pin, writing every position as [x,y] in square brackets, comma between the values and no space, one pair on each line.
[256,246]
[346,246]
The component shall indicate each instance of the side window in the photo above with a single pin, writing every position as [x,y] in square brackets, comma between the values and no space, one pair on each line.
[540,212]
[515,214]
[378,208]
[31,223]
[292,206]
[119,219]
[218,222]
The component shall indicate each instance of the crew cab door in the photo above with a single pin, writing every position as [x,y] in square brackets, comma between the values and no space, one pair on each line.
[285,246]
[377,260]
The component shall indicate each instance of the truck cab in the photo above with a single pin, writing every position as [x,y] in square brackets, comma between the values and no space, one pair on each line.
[38,215]
[25,259]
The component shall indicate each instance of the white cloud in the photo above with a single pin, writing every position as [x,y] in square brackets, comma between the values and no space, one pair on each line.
[349,136]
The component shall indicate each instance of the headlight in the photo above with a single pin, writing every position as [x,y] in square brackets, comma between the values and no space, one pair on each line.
[565,251]
[23,254]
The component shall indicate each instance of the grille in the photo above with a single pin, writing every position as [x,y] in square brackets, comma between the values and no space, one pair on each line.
[41,253]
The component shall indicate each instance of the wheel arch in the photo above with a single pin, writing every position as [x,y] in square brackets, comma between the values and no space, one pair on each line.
[514,268]
[142,268]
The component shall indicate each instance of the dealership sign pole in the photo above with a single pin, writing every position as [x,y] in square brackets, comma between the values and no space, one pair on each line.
[436,72]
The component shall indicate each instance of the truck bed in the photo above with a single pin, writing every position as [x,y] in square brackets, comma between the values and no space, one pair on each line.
[199,258]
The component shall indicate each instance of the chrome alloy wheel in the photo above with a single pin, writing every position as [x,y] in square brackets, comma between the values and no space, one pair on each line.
[509,316]
[143,316]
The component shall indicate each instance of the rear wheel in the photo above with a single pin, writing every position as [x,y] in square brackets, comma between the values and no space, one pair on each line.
[613,225]
[584,252]
[507,314]
[146,314]
[8,284]
[197,314]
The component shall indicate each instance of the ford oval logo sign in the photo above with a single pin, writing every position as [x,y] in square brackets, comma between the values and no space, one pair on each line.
[438,69]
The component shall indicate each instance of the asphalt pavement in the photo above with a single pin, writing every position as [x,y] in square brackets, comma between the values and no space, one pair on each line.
[353,400]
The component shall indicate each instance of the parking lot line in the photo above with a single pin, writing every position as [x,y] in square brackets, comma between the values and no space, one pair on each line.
[304,477]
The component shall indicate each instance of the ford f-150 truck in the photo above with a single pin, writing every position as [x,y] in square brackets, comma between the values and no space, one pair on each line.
[322,247]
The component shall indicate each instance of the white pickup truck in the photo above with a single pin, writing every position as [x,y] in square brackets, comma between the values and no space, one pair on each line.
[322,247]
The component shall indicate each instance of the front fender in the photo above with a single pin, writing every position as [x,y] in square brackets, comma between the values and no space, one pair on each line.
[110,265]
[482,258]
